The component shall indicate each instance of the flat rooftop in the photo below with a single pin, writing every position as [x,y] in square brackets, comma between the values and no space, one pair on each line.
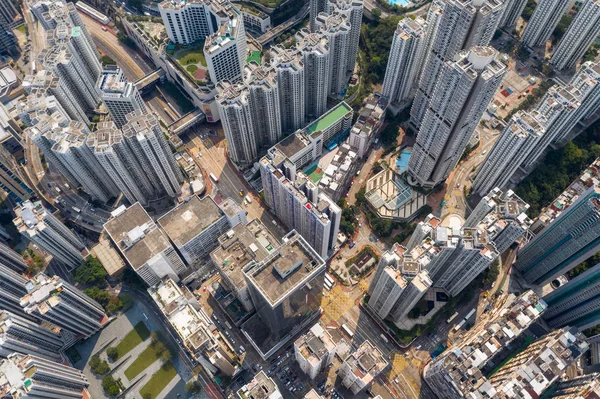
[329,118]
[136,235]
[261,387]
[292,144]
[189,219]
[294,258]
[241,245]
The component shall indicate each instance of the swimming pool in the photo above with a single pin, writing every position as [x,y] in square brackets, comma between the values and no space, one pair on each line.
[402,161]
[398,2]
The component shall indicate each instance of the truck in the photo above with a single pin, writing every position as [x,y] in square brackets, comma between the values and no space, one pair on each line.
[213,177]
[227,324]
[57,189]
[248,198]
[76,209]
[347,331]
[452,317]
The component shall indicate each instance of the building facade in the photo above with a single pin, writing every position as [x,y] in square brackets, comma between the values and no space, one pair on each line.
[361,367]
[543,21]
[314,351]
[120,96]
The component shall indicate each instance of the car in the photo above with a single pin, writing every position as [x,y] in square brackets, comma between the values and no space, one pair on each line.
[68,211]
[458,186]
[242,349]
[227,333]
[352,244]
[233,341]
[241,193]
[104,28]
[93,209]
[49,185]
[396,380]
[90,223]
[214,316]
[272,360]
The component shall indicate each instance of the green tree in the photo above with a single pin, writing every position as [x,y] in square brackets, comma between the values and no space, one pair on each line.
[99,366]
[193,387]
[91,272]
[110,385]
[561,28]
[376,13]
[529,9]
[112,353]
[98,295]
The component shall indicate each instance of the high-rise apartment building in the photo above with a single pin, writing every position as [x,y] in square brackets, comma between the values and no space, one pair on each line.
[409,46]
[337,29]
[65,148]
[119,161]
[314,48]
[49,95]
[570,239]
[314,351]
[195,225]
[295,200]
[586,386]
[12,259]
[286,288]
[8,17]
[462,93]
[353,10]
[143,245]
[398,284]
[579,36]
[10,180]
[35,377]
[12,287]
[575,303]
[57,302]
[120,96]
[522,133]
[23,336]
[153,153]
[38,225]
[217,22]
[264,95]
[481,348]
[290,78]
[362,366]
[546,16]
[260,386]
[512,12]
[452,25]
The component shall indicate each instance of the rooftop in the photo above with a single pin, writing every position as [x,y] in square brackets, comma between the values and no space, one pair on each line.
[136,235]
[329,118]
[189,219]
[261,387]
[366,362]
[285,269]
[316,344]
[240,246]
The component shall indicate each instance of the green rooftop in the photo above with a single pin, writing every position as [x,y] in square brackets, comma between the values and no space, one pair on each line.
[329,118]
[254,56]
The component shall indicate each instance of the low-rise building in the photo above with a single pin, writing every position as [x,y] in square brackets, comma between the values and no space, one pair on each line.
[314,350]
[361,367]
[261,387]
[370,120]
[255,20]
[192,324]
[238,247]
[143,245]
[194,226]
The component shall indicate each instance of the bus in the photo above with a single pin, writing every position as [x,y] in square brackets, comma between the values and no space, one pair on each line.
[383,337]
[92,12]
[328,278]
[76,209]
[213,177]
[471,313]
[459,325]
[227,324]
[347,331]
[452,318]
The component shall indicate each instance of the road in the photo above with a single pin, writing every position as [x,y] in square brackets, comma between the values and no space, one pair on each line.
[455,202]
[365,171]
[133,66]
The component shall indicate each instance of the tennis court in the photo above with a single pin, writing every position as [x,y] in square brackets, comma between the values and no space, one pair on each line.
[315,173]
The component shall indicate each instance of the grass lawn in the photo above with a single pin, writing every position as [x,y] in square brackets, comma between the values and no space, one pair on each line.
[21,28]
[254,56]
[191,68]
[145,359]
[139,333]
[159,380]
[191,56]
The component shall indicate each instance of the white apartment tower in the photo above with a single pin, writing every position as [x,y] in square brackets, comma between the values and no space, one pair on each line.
[462,93]
[226,50]
[120,96]
[405,61]
[519,137]
[314,48]
[546,16]
[337,29]
[65,148]
[314,351]
[38,225]
[116,156]
[353,10]
[316,7]
[12,259]
[235,109]
[290,71]
[12,287]
[53,300]
[512,12]
[362,366]
[153,153]
[23,336]
[580,35]
[452,25]
[264,93]
[35,377]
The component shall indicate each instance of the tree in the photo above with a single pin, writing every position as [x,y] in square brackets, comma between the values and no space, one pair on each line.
[91,272]
[98,295]
[529,9]
[112,353]
[106,60]
[561,28]
[137,4]
[110,386]
[193,387]
[376,13]
[99,366]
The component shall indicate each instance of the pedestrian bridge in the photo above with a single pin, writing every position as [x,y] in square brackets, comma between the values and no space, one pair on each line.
[149,81]
[188,120]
